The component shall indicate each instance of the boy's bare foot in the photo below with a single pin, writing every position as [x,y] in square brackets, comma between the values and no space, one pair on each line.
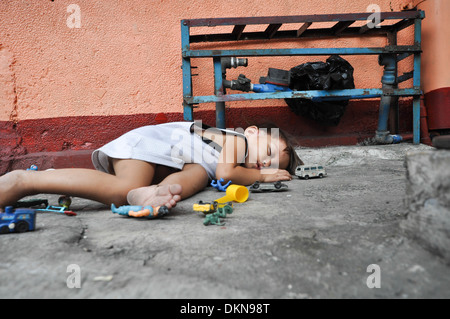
[11,188]
[155,195]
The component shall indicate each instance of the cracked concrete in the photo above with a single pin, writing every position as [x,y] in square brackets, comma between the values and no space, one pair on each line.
[315,240]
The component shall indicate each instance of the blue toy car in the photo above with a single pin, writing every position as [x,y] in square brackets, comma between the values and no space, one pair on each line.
[18,220]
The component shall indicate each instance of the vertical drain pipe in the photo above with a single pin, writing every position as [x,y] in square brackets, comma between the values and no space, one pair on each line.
[382,135]
[424,133]
[220,71]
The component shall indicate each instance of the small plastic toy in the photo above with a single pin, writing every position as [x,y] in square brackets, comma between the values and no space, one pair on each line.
[19,220]
[258,187]
[209,208]
[205,208]
[32,168]
[225,210]
[219,186]
[150,212]
[65,201]
[237,193]
[214,218]
[308,171]
[57,209]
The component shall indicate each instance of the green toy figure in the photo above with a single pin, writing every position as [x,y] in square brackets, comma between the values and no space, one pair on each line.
[214,218]
[224,211]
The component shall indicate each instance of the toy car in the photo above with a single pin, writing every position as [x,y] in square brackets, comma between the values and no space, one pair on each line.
[205,208]
[308,171]
[19,220]
[267,187]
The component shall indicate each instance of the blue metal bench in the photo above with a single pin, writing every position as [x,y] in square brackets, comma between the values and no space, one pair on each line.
[388,56]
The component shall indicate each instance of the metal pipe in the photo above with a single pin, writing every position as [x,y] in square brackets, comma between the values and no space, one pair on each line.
[233,62]
[220,83]
[268,87]
[388,80]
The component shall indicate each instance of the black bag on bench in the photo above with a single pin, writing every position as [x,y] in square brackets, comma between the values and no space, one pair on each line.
[334,74]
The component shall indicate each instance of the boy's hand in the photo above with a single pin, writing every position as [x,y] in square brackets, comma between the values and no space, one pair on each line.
[273,175]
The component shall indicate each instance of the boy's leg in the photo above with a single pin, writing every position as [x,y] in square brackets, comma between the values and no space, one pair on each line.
[167,195]
[192,179]
[86,183]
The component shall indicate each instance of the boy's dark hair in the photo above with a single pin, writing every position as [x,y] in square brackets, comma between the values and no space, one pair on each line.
[294,159]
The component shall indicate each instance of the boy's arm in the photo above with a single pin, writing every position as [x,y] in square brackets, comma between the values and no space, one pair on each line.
[233,155]
[246,176]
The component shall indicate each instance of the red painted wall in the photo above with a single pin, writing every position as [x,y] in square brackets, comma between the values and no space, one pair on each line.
[67,142]
[436,50]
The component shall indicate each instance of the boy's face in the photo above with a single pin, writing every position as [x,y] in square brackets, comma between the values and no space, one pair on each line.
[265,149]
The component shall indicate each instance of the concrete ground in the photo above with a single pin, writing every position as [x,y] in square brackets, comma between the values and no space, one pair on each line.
[315,240]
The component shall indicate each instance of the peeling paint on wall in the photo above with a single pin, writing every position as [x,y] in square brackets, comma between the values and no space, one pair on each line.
[8,93]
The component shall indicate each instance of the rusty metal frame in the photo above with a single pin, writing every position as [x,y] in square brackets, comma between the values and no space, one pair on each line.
[341,28]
